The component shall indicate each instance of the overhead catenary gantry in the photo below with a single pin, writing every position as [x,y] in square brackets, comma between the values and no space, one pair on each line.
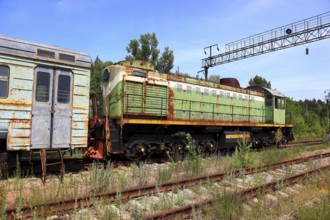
[301,32]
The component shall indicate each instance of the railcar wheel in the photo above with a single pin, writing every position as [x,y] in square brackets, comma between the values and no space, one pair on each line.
[208,147]
[178,151]
[137,150]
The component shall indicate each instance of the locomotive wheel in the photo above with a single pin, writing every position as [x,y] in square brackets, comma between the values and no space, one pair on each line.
[209,147]
[178,151]
[138,150]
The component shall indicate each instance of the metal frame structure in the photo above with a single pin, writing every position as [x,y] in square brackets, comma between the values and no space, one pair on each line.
[302,32]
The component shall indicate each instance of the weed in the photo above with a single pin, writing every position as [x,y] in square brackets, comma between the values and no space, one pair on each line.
[100,178]
[193,163]
[229,206]
[164,175]
[2,201]
[242,155]
[141,173]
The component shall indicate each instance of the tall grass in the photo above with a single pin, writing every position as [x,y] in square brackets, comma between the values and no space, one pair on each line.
[100,177]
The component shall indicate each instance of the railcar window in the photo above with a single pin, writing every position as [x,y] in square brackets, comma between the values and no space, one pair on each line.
[63,90]
[66,57]
[179,88]
[43,83]
[138,73]
[214,93]
[4,81]
[198,90]
[234,96]
[206,91]
[221,94]
[189,89]
[45,53]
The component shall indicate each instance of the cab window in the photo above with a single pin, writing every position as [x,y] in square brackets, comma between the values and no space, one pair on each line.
[279,102]
[4,81]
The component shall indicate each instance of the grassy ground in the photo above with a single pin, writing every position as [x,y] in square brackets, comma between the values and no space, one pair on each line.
[17,191]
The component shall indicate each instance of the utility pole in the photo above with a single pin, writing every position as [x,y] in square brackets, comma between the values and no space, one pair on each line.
[206,68]
[327,99]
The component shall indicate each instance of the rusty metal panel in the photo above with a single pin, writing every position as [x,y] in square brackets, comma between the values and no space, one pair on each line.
[79,133]
[19,133]
[81,88]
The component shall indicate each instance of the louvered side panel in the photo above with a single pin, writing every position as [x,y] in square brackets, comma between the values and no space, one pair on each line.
[156,100]
[134,97]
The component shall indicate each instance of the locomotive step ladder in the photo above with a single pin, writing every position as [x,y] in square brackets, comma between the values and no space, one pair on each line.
[43,157]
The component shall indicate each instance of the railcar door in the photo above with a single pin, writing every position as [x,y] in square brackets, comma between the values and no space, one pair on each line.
[51,109]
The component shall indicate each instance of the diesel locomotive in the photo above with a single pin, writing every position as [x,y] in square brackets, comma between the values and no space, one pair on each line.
[148,112]
[45,107]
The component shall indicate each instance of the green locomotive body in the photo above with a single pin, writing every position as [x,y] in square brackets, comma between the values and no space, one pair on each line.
[148,111]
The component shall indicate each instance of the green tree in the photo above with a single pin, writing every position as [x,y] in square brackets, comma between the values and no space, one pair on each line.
[146,48]
[165,62]
[214,78]
[96,81]
[260,81]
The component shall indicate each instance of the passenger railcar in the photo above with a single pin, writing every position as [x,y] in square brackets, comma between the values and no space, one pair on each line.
[44,97]
[147,111]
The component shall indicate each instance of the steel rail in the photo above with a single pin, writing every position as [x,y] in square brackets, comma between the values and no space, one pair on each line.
[303,143]
[185,211]
[52,207]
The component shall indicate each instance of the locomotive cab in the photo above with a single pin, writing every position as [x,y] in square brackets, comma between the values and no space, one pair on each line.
[274,105]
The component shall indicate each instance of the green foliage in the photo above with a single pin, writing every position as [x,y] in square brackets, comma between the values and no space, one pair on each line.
[2,201]
[165,62]
[309,117]
[193,163]
[229,206]
[100,177]
[146,49]
[242,156]
[96,80]
[214,78]
[260,81]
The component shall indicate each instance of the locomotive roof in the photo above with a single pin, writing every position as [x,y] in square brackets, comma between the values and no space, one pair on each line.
[32,50]
[273,92]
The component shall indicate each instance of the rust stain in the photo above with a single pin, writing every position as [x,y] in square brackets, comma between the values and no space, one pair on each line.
[14,102]
[80,107]
[202,123]
[170,103]
[19,135]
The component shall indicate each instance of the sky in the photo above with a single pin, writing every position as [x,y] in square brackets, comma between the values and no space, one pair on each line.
[104,28]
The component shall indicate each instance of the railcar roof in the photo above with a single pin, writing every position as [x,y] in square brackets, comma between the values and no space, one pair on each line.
[28,49]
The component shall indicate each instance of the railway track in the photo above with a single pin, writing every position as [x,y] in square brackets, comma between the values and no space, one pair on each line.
[302,143]
[185,212]
[66,205]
